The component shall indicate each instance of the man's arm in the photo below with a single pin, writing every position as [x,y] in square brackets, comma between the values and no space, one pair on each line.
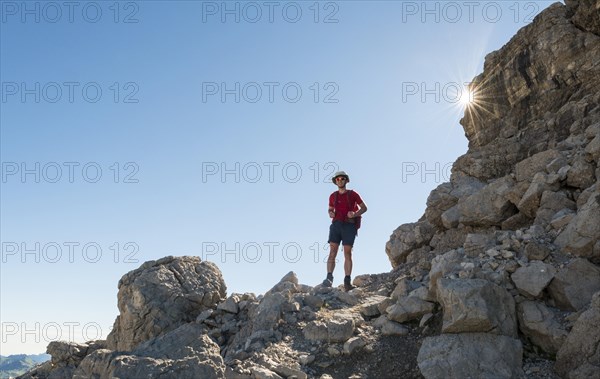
[362,209]
[331,210]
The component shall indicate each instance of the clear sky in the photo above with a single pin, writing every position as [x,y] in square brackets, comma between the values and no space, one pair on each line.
[134,130]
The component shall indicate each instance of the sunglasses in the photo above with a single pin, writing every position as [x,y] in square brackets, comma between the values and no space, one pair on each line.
[339,178]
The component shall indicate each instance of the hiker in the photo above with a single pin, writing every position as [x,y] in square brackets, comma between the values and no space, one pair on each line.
[345,209]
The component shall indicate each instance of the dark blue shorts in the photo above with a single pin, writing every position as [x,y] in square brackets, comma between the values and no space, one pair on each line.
[342,231]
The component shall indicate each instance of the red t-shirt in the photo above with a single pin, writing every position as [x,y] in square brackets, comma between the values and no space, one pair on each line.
[341,208]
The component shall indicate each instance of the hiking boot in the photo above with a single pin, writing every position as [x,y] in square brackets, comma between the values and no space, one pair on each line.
[347,285]
[327,283]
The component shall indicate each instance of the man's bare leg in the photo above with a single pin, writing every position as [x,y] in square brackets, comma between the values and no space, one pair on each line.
[333,249]
[347,267]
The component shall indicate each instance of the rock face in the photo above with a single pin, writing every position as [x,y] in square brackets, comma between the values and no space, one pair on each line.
[161,296]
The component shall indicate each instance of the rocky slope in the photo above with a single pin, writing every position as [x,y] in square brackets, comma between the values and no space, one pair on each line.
[500,278]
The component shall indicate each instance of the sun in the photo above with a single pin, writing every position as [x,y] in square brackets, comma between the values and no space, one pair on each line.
[467,97]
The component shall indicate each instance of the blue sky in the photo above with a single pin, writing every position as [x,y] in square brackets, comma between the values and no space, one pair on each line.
[135,130]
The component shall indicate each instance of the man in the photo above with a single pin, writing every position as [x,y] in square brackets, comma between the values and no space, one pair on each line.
[344,208]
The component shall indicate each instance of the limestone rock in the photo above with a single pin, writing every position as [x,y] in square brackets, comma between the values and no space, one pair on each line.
[288,282]
[268,312]
[579,356]
[230,304]
[404,287]
[538,324]
[391,328]
[264,373]
[338,328]
[407,238]
[65,358]
[550,203]
[443,265]
[581,174]
[184,353]
[536,251]
[286,371]
[489,206]
[471,355]
[477,243]
[162,295]
[476,305]
[582,233]
[451,218]
[532,279]
[370,306]
[531,199]
[445,196]
[562,218]
[526,169]
[353,344]
[573,286]
[409,308]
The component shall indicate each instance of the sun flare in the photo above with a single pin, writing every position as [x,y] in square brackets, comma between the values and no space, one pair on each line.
[467,97]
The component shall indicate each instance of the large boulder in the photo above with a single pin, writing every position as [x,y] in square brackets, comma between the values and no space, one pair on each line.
[550,204]
[579,356]
[471,355]
[268,312]
[582,234]
[538,324]
[573,286]
[532,279]
[526,169]
[444,198]
[476,306]
[162,295]
[407,238]
[530,201]
[489,206]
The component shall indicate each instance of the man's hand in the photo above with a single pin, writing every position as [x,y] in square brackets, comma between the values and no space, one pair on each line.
[351,214]
[331,214]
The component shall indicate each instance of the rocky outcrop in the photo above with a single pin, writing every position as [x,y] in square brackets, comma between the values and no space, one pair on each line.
[521,213]
[161,296]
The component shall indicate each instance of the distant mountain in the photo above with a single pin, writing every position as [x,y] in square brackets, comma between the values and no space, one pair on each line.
[14,365]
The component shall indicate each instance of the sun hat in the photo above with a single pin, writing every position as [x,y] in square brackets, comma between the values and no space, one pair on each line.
[338,174]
